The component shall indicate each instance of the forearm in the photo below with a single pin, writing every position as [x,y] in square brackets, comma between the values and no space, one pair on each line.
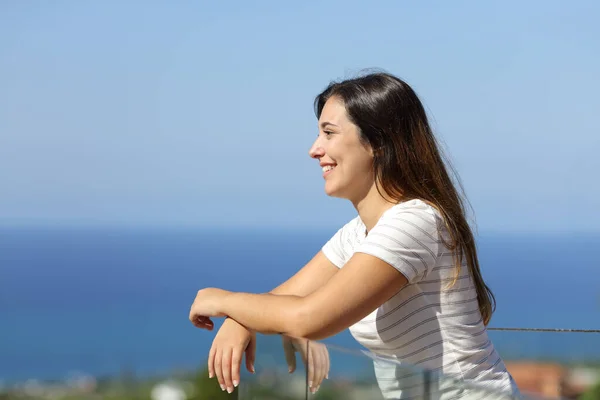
[309,278]
[283,289]
[289,315]
[289,290]
[265,313]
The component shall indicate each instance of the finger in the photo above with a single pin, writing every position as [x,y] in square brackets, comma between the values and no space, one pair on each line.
[304,347]
[316,366]
[208,327]
[226,366]
[206,323]
[236,362]
[290,355]
[211,360]
[218,368]
[251,355]
[310,367]
[203,323]
[321,366]
[194,317]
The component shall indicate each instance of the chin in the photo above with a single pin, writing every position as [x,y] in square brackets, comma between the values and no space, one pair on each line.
[330,191]
[333,191]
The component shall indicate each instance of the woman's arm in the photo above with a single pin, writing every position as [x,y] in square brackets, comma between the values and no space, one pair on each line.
[309,278]
[352,293]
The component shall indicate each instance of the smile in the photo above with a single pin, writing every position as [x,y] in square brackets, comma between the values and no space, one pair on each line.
[327,169]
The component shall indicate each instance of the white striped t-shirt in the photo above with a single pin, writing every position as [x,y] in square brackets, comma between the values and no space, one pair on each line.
[425,324]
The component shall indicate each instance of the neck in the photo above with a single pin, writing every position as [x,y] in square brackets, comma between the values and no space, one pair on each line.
[371,207]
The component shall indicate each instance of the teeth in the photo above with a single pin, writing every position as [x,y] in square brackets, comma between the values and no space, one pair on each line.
[328,168]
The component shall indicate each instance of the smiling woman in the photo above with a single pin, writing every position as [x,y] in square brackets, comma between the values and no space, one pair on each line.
[402,275]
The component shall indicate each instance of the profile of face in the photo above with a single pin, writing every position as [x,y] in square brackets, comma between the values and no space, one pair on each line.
[346,161]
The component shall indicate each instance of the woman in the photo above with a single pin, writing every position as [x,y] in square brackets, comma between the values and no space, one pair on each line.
[403,275]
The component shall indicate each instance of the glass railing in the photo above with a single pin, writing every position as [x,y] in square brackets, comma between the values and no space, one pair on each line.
[545,365]
[331,372]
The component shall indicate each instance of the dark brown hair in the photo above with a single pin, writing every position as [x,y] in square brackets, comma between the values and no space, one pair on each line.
[407,161]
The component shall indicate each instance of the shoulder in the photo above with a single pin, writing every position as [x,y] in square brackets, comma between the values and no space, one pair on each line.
[406,237]
[340,246]
[413,215]
[349,230]
[352,226]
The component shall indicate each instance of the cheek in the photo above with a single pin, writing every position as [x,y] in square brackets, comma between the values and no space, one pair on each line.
[357,170]
[364,163]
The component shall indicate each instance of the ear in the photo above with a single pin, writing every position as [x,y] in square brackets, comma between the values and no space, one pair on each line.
[373,152]
[378,151]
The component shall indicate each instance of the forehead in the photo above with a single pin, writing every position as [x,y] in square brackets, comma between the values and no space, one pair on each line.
[334,111]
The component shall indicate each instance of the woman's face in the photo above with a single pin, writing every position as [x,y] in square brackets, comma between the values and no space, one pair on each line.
[346,161]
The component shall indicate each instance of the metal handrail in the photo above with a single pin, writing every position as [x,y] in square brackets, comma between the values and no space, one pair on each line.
[546,330]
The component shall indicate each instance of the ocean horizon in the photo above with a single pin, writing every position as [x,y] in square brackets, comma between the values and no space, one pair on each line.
[97,300]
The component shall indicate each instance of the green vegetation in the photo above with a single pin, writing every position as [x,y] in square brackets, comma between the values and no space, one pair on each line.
[196,385]
[593,393]
[205,388]
[268,384]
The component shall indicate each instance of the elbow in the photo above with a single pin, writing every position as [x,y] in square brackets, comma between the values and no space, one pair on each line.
[305,323]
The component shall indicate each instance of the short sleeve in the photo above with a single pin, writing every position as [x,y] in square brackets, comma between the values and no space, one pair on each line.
[407,239]
[336,248]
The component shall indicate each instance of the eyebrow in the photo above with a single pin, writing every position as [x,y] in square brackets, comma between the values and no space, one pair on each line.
[325,123]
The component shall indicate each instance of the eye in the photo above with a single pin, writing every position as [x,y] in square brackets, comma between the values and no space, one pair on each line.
[328,133]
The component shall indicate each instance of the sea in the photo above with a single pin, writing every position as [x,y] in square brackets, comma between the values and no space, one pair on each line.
[101,300]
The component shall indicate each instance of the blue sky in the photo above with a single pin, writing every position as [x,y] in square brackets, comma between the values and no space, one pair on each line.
[200,114]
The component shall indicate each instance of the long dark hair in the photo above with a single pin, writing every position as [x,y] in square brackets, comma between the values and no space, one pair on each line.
[407,161]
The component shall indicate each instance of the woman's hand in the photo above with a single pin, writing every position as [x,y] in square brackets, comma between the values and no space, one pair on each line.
[314,355]
[225,355]
[208,303]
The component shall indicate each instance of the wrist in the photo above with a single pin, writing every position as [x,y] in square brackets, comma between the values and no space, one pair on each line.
[225,303]
[232,322]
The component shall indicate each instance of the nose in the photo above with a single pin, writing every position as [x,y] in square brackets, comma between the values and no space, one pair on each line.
[316,150]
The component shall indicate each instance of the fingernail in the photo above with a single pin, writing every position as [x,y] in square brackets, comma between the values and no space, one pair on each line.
[210,375]
[222,387]
[235,383]
[290,370]
[310,384]
[229,390]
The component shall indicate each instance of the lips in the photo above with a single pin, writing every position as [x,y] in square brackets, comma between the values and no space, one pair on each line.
[327,169]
